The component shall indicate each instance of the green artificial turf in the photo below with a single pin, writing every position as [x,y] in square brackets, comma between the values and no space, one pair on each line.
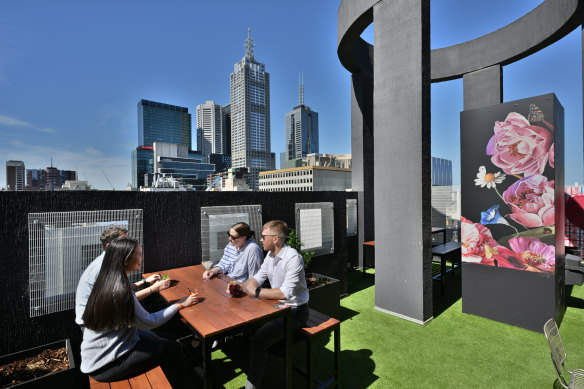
[454,350]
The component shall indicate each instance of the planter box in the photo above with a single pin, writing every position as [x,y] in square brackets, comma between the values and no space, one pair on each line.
[325,298]
[60,379]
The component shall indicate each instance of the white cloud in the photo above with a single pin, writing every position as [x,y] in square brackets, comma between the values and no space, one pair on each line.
[12,122]
[92,151]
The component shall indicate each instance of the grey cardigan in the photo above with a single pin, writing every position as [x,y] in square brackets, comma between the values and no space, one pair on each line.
[100,348]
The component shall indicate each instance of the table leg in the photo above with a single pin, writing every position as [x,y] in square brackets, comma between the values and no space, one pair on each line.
[206,345]
[288,349]
[442,271]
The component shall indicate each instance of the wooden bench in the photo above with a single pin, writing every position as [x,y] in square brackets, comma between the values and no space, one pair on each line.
[154,379]
[319,324]
[447,251]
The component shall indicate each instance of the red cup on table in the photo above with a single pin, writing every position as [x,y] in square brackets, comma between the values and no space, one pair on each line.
[234,288]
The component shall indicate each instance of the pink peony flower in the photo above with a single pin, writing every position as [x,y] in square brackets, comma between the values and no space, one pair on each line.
[531,254]
[518,147]
[532,201]
[478,245]
[552,155]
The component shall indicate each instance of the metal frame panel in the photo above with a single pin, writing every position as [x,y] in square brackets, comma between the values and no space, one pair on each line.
[216,223]
[62,245]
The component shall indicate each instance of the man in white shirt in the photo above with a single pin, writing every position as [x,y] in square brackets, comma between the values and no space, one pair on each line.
[284,268]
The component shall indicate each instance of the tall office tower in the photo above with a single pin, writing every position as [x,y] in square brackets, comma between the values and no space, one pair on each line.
[159,122]
[301,129]
[142,164]
[210,135]
[227,131]
[441,172]
[250,116]
[35,179]
[15,175]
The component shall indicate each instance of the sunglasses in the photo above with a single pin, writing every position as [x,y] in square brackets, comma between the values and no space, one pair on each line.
[233,237]
[264,236]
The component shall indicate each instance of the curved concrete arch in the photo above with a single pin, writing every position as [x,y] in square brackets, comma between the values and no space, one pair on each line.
[544,25]
[390,124]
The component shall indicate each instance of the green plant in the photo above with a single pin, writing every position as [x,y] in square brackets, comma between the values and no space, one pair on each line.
[295,242]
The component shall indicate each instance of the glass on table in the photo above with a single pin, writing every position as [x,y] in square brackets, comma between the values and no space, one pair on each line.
[194,292]
[234,288]
[208,265]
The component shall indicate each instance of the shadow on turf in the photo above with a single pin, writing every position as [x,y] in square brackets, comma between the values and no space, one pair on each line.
[357,367]
[571,301]
[452,290]
[356,282]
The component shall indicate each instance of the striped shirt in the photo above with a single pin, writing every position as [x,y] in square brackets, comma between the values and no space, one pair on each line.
[243,263]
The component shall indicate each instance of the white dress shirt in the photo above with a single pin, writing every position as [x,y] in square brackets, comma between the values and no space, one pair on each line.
[285,271]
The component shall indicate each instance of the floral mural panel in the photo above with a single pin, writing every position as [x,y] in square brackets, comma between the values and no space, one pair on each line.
[508,185]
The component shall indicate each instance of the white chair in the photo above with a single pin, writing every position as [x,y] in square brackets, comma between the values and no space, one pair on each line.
[558,351]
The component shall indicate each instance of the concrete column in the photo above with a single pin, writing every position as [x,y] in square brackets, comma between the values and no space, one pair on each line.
[401,112]
[483,88]
[362,151]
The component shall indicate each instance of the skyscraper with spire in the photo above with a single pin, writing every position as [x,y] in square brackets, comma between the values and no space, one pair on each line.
[250,116]
[301,128]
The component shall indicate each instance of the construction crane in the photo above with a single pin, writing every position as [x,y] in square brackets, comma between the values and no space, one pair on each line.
[210,187]
[108,180]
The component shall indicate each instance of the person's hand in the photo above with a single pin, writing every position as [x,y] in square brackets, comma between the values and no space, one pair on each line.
[152,278]
[161,285]
[207,274]
[249,289]
[187,301]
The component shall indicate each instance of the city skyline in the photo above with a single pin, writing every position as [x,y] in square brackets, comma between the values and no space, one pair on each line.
[71,74]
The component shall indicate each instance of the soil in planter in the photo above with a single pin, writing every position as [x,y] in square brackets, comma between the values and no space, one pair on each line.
[47,362]
[313,282]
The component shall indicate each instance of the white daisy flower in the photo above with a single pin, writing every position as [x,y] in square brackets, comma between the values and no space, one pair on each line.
[489,180]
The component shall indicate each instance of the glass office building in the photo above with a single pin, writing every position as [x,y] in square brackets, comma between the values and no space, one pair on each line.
[441,172]
[159,122]
[142,163]
[188,171]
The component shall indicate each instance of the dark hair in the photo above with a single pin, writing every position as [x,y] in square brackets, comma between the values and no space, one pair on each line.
[110,234]
[111,303]
[243,229]
[278,226]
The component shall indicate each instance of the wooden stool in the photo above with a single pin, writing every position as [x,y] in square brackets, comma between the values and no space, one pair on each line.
[320,324]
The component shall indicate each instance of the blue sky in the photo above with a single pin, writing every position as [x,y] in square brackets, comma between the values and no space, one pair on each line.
[71,73]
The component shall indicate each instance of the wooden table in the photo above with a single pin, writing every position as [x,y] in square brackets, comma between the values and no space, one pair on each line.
[219,315]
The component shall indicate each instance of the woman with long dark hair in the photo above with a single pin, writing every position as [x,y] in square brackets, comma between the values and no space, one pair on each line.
[117,343]
[242,257]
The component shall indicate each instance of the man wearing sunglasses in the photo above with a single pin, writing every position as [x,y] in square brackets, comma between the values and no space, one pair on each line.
[284,268]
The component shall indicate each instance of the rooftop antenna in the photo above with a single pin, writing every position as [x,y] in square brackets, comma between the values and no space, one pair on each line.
[301,89]
[249,45]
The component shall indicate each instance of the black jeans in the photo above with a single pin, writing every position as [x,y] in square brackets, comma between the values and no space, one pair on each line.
[150,351]
[266,336]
